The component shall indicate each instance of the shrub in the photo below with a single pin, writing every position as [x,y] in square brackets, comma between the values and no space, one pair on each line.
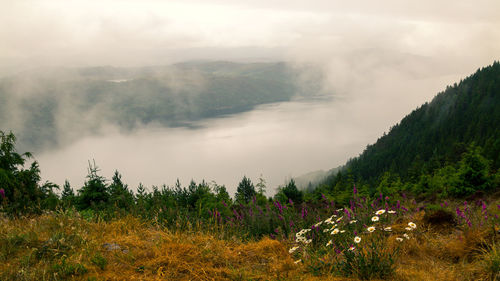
[66,269]
[375,260]
[491,262]
[99,261]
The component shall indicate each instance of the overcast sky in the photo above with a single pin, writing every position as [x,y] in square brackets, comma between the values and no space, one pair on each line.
[142,32]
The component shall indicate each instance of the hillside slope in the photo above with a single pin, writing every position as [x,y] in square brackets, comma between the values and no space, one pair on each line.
[434,135]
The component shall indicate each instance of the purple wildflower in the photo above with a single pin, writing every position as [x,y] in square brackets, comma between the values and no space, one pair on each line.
[278,206]
[2,192]
[348,214]
[355,190]
[303,213]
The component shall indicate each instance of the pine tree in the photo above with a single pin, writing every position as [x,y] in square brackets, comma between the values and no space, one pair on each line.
[94,194]
[245,191]
[67,195]
[261,185]
[120,196]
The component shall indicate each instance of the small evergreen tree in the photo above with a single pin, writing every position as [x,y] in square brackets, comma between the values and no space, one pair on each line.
[290,192]
[120,196]
[245,191]
[472,173]
[261,186]
[94,194]
[67,195]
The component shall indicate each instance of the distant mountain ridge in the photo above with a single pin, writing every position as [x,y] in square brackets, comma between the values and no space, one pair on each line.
[48,107]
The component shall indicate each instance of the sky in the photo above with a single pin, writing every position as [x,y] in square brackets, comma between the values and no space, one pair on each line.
[380,59]
[145,32]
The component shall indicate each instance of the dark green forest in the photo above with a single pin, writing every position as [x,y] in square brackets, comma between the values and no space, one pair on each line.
[447,147]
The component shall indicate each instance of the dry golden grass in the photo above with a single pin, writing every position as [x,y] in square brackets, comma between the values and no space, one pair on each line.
[64,246]
[146,253]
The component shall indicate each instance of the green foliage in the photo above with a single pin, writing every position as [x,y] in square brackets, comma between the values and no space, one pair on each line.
[66,269]
[373,261]
[424,153]
[58,245]
[94,194]
[14,242]
[472,173]
[245,191]
[290,192]
[119,194]
[99,261]
[261,186]
[21,192]
[491,261]
[67,195]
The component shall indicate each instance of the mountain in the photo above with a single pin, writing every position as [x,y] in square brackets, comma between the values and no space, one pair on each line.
[462,119]
[49,107]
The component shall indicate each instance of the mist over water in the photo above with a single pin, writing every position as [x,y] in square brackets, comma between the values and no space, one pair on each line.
[277,140]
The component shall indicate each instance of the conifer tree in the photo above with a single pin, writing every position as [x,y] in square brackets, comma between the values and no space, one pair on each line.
[245,191]
[94,194]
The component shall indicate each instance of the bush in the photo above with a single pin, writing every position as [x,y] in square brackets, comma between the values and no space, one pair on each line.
[20,192]
[99,260]
[375,260]
[65,269]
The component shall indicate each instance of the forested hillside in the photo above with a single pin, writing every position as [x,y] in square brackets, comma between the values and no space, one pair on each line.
[48,107]
[450,145]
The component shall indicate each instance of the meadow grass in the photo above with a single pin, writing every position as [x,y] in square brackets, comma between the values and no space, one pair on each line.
[410,242]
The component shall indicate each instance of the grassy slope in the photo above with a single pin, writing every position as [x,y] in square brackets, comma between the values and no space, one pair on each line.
[60,246]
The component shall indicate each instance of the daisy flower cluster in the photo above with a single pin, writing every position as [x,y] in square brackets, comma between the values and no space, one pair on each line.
[331,229]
